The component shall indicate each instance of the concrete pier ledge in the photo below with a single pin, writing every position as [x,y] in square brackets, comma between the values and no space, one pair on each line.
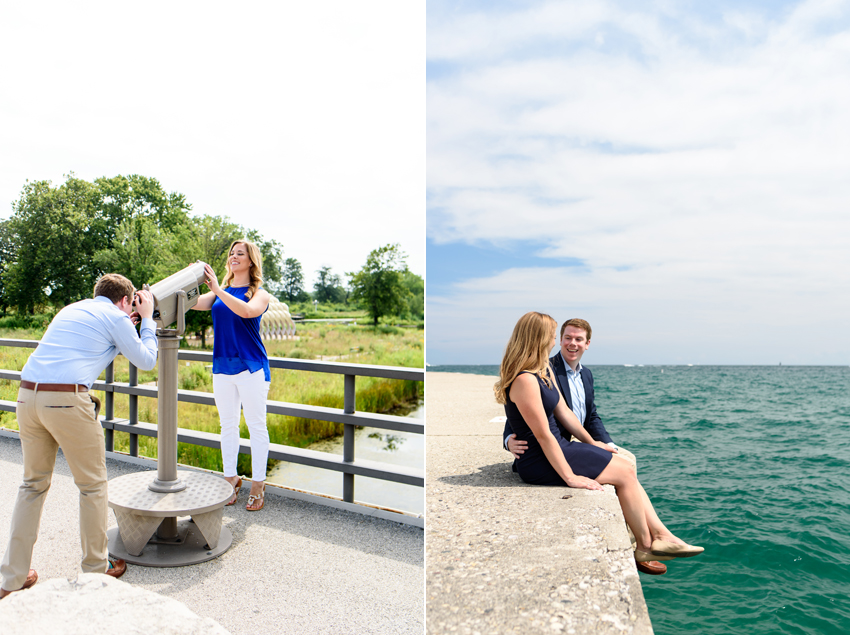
[505,557]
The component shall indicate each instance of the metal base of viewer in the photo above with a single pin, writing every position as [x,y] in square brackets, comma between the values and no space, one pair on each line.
[192,549]
[148,531]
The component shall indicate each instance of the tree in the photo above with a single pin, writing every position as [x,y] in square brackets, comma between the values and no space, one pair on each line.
[379,286]
[64,237]
[138,250]
[53,242]
[137,196]
[328,288]
[272,254]
[7,243]
[415,302]
[292,280]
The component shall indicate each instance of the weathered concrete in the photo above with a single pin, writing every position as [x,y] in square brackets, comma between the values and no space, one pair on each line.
[294,567]
[95,604]
[504,557]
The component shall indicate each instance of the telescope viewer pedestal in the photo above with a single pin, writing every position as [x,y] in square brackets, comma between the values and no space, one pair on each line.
[149,532]
[147,509]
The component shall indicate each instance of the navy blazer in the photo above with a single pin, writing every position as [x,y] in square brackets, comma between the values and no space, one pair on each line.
[592,421]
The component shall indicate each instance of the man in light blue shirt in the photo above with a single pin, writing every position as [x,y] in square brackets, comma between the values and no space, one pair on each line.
[55,409]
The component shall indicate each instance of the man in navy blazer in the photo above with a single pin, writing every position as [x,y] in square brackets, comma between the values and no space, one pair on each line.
[576,385]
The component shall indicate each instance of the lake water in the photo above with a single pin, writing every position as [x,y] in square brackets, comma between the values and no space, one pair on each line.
[752,463]
[372,444]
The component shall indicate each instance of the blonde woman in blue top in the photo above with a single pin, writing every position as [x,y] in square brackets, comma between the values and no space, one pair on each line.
[241,376]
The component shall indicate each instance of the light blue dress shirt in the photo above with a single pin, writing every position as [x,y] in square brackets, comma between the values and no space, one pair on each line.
[84,338]
[577,396]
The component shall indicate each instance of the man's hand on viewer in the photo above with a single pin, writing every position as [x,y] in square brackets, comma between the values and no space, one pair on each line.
[144,304]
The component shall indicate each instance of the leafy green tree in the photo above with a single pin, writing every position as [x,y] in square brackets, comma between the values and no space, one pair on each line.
[328,288]
[7,251]
[379,285]
[138,251]
[292,281]
[60,239]
[272,253]
[53,242]
[415,302]
[64,237]
[137,196]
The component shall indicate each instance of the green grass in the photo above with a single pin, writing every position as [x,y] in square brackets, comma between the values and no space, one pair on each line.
[356,344]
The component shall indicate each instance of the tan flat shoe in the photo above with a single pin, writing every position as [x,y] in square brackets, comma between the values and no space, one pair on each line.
[253,500]
[664,548]
[645,556]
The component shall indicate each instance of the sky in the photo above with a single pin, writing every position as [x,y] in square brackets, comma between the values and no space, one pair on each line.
[305,121]
[676,173]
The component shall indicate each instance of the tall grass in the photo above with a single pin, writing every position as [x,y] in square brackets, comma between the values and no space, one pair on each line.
[355,344]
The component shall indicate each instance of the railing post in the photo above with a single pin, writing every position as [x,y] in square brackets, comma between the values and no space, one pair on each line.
[348,439]
[109,408]
[134,411]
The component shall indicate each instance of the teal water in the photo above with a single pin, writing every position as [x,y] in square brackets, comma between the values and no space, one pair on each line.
[753,463]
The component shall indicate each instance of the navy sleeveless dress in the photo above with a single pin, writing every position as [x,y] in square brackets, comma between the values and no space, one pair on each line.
[533,467]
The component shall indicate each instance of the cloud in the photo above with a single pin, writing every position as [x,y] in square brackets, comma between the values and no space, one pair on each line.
[695,163]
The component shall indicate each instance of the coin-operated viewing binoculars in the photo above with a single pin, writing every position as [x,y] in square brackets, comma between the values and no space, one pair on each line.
[147,509]
[175,295]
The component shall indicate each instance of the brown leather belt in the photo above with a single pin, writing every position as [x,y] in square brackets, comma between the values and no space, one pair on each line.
[54,387]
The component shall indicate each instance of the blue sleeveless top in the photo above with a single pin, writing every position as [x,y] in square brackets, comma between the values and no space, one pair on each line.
[236,341]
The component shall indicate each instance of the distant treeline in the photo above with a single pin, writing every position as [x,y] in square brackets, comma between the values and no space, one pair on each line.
[59,240]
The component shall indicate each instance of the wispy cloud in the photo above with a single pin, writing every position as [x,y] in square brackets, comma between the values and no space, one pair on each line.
[690,160]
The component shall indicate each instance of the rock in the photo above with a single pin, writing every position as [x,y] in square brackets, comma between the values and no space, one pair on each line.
[96,604]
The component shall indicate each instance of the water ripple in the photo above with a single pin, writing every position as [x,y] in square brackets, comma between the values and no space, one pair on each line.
[751,463]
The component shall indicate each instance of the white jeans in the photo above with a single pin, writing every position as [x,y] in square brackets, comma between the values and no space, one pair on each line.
[247,391]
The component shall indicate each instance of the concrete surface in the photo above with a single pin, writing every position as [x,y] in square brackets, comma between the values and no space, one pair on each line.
[294,567]
[92,604]
[505,557]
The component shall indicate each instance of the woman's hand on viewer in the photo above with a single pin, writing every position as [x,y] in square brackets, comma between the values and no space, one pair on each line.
[212,279]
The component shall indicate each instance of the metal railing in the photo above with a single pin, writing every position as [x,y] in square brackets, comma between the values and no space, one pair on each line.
[347,464]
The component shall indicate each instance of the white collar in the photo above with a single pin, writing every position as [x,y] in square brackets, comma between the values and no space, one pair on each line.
[567,366]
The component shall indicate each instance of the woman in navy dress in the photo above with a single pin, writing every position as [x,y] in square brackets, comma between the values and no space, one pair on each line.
[241,375]
[534,406]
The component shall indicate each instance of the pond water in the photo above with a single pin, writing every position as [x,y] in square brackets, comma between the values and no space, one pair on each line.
[372,444]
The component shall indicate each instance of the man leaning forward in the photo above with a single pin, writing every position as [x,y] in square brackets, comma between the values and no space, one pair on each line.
[56,410]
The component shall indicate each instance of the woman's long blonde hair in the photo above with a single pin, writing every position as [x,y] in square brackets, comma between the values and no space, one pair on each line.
[528,349]
[256,271]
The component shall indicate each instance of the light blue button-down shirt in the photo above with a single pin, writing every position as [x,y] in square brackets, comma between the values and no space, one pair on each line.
[577,396]
[84,338]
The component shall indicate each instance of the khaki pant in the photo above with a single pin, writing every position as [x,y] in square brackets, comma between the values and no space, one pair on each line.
[48,421]
[623,452]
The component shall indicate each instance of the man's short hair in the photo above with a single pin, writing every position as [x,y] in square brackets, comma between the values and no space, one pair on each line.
[576,323]
[114,286]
